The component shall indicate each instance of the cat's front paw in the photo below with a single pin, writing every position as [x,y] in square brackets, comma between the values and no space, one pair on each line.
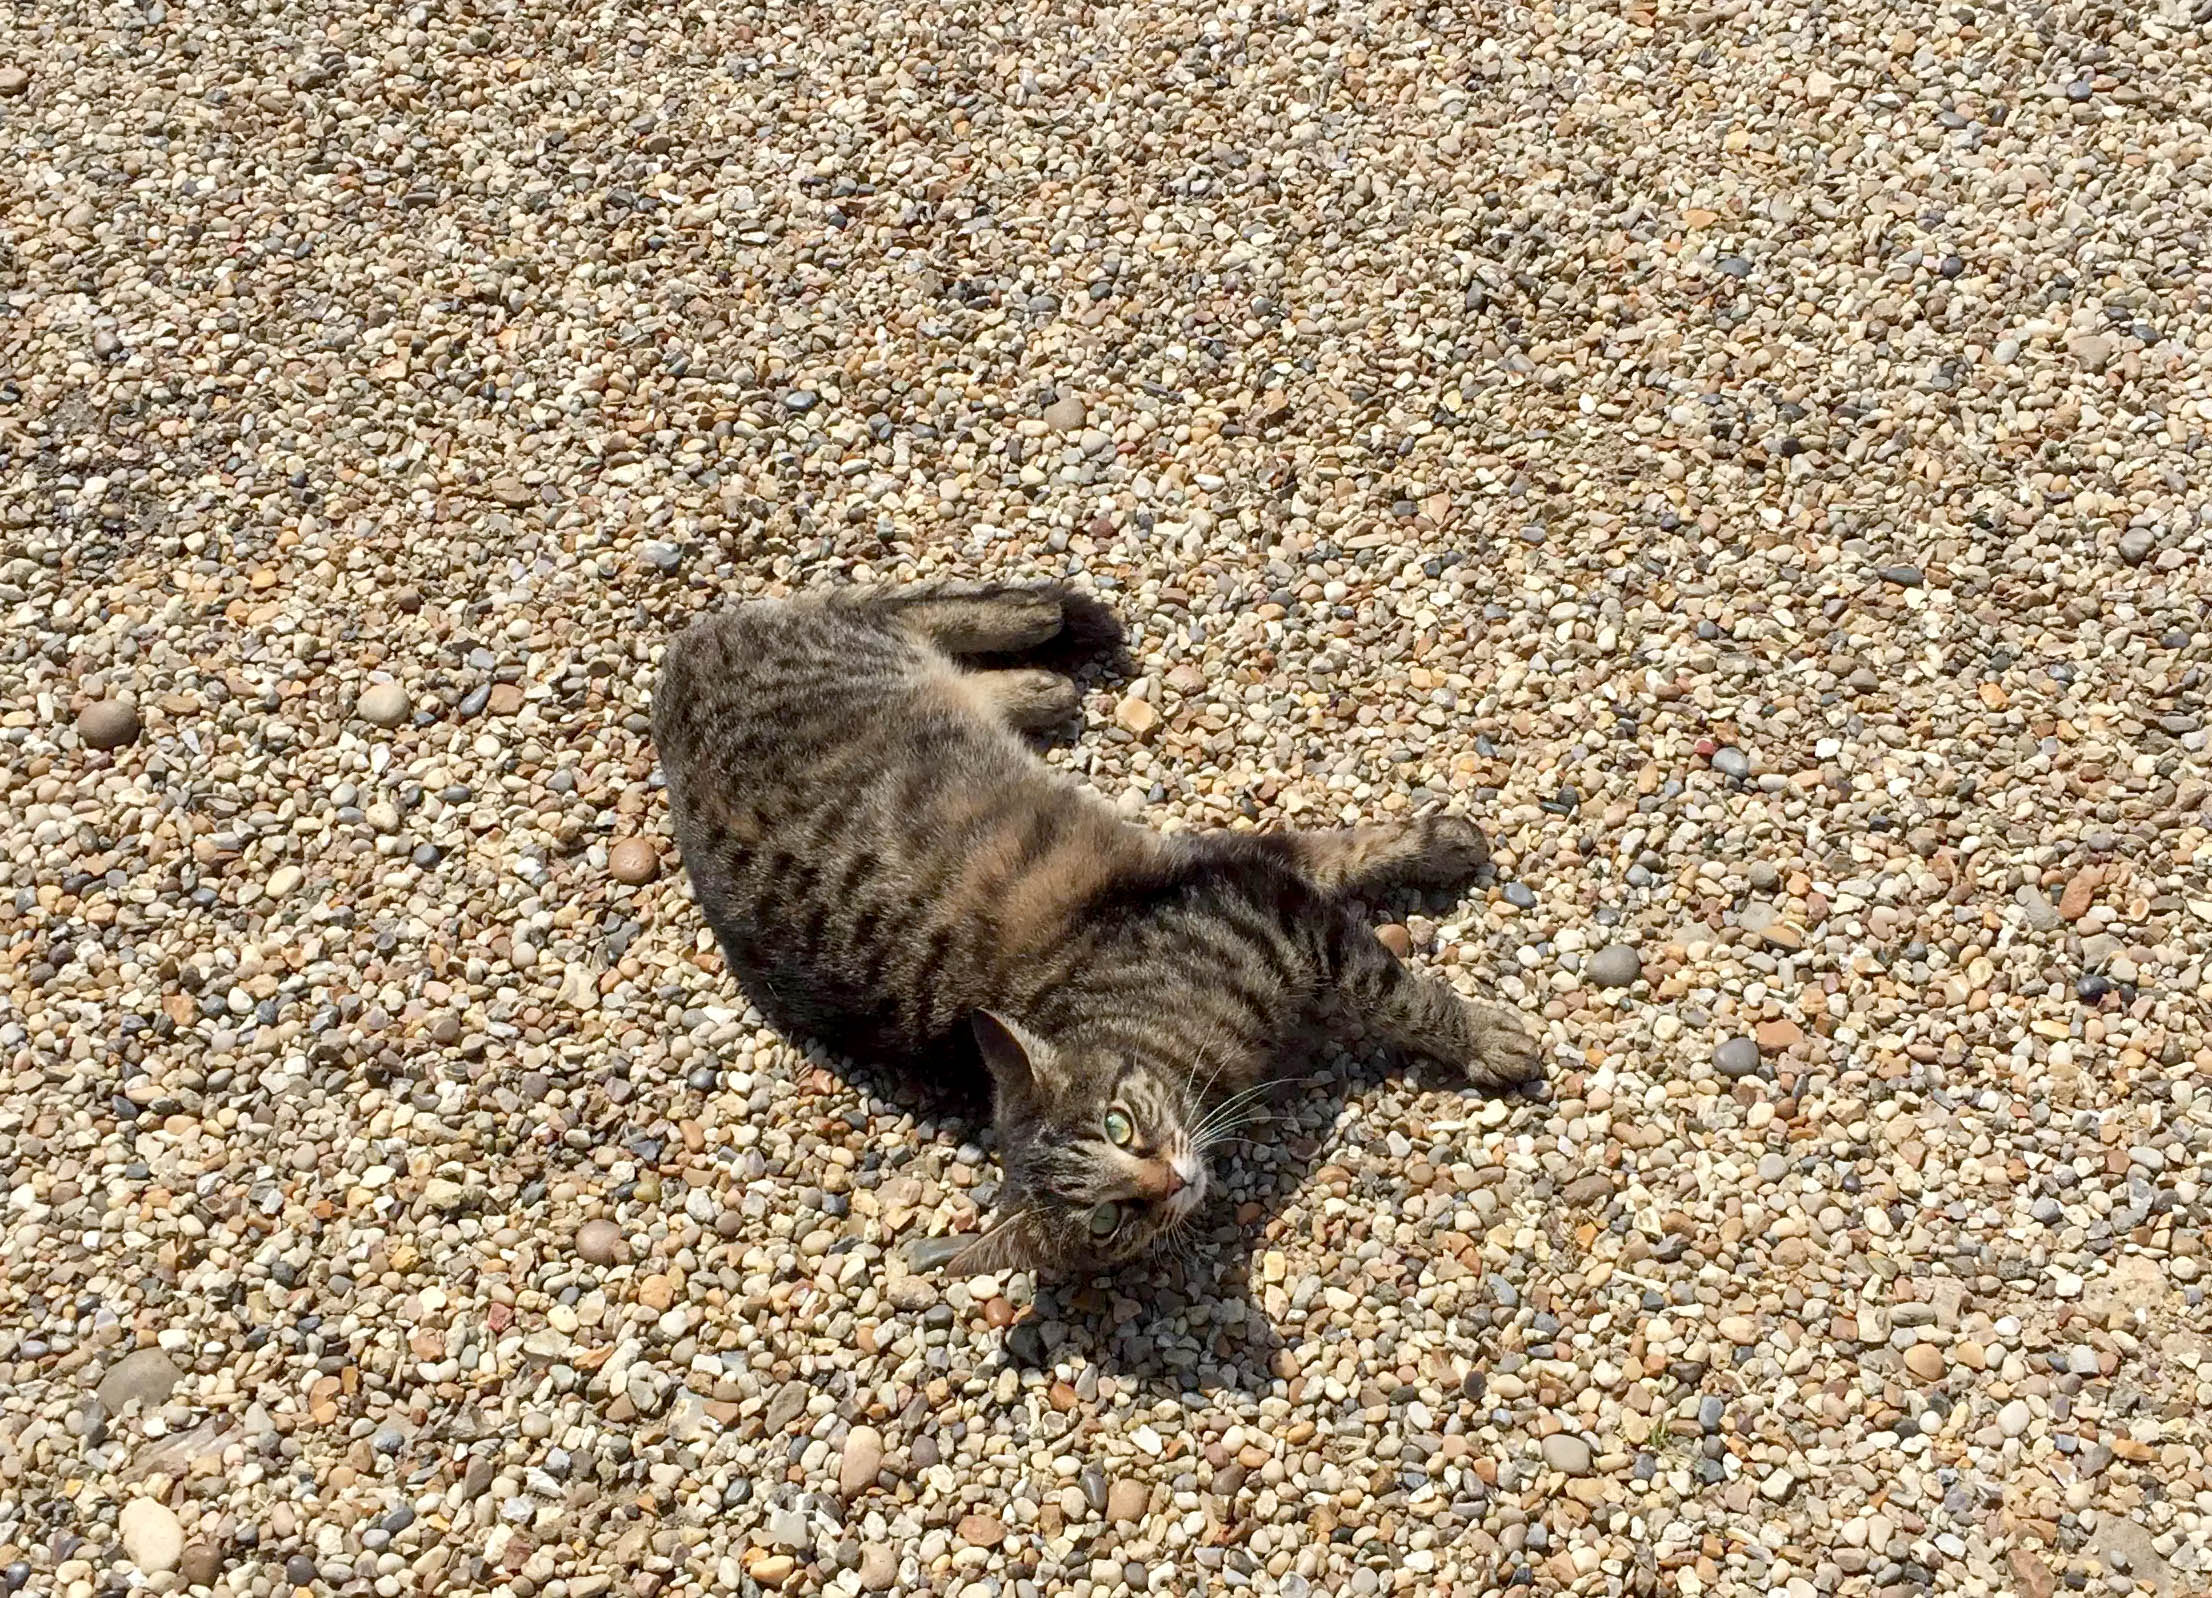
[1453,849]
[1506,1053]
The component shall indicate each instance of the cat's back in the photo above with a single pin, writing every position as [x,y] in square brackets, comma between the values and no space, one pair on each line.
[773,697]
[872,850]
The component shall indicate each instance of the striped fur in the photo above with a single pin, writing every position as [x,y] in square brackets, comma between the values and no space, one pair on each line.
[888,867]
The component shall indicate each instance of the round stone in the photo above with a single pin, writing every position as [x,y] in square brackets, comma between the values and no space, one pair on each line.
[1395,938]
[144,1376]
[1925,1361]
[201,1564]
[1730,761]
[13,81]
[598,1242]
[1738,1057]
[1127,1502]
[1615,966]
[151,1534]
[634,861]
[1567,1454]
[1066,414]
[108,724]
[383,704]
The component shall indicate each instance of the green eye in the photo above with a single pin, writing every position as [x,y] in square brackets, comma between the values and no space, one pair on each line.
[1119,1130]
[1106,1218]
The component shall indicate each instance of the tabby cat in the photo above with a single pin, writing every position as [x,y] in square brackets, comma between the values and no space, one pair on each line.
[888,866]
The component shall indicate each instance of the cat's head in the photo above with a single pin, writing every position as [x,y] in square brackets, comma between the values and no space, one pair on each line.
[1101,1155]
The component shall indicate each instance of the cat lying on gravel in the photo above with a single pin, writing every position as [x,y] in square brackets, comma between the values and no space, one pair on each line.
[888,867]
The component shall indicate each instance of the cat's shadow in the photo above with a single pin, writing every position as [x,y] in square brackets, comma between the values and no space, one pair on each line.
[1195,1317]
[1192,1318]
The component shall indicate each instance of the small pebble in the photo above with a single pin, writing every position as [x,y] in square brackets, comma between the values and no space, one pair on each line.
[108,724]
[861,1460]
[383,704]
[1567,1454]
[1614,966]
[598,1242]
[1737,1057]
[152,1535]
[634,861]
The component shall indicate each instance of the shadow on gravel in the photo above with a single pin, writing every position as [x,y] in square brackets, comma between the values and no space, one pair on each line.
[1191,1320]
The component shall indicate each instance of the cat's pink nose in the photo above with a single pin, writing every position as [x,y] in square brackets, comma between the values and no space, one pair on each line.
[1162,1180]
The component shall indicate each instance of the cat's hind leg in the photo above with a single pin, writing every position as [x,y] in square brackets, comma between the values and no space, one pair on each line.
[1026,700]
[966,618]
[1435,852]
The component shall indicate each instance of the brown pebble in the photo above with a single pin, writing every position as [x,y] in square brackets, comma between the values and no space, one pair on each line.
[981,1531]
[1925,1361]
[201,1564]
[598,1242]
[999,1313]
[2074,903]
[1136,715]
[1395,938]
[634,861]
[1775,1036]
[108,724]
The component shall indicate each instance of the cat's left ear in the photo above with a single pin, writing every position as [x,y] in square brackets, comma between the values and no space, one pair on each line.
[1021,1063]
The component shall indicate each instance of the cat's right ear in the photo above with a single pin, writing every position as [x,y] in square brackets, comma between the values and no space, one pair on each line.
[1020,1062]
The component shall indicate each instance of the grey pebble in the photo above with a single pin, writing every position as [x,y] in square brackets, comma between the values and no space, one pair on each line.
[1737,1057]
[146,1376]
[1615,966]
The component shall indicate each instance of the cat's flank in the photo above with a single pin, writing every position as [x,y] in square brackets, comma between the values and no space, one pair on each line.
[888,865]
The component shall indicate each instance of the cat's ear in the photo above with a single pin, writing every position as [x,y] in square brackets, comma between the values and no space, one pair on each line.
[1020,1062]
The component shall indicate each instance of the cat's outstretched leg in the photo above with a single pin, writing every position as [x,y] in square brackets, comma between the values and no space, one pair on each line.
[1435,852]
[1423,1015]
[1026,700]
[965,618]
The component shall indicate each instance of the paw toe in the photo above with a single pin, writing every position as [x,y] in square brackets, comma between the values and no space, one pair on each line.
[1506,1053]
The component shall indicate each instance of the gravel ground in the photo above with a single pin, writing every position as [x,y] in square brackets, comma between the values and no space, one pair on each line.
[1751,457]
